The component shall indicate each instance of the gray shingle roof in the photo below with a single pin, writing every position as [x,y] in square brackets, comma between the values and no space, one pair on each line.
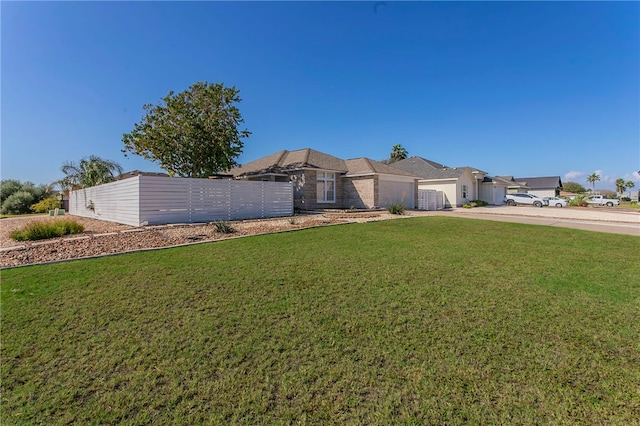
[427,169]
[359,166]
[504,180]
[544,182]
[283,161]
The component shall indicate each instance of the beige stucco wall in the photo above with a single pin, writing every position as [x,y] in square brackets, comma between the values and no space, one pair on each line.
[448,188]
[394,190]
[492,194]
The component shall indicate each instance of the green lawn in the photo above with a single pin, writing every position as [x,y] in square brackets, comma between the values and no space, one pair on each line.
[429,320]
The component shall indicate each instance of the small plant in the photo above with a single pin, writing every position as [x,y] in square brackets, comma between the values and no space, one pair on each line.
[579,201]
[224,227]
[479,203]
[396,208]
[466,206]
[292,221]
[45,205]
[44,230]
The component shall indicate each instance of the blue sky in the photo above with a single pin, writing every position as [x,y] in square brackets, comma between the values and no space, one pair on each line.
[512,88]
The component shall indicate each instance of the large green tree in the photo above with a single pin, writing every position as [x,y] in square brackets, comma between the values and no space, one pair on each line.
[88,172]
[573,187]
[592,179]
[193,133]
[398,153]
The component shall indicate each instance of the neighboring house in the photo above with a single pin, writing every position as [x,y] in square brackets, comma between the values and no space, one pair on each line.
[494,188]
[323,181]
[459,185]
[513,185]
[547,186]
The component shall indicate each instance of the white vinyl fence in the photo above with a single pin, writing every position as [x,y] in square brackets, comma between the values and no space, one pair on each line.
[430,199]
[158,200]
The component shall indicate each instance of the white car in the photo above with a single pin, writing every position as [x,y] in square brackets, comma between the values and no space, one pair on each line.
[524,198]
[556,202]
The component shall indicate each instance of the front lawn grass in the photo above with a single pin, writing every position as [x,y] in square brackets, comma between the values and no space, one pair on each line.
[430,320]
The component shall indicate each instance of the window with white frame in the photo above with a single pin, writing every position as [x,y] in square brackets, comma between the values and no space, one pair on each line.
[326,184]
[465,189]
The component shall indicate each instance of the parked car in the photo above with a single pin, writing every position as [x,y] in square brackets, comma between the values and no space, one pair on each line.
[599,200]
[555,201]
[524,198]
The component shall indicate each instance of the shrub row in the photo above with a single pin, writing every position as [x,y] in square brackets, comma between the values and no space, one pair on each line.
[43,230]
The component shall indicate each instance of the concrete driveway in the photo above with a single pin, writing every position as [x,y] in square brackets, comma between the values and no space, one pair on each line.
[600,219]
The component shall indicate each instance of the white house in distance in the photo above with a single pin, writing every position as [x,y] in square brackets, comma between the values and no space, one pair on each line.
[494,188]
[459,185]
[545,186]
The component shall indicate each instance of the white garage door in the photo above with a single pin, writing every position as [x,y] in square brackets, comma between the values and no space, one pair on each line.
[393,191]
[498,195]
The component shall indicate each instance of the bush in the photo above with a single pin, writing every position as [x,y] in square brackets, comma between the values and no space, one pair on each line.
[9,187]
[45,205]
[224,227]
[479,203]
[579,201]
[395,208]
[625,199]
[43,230]
[17,203]
[466,206]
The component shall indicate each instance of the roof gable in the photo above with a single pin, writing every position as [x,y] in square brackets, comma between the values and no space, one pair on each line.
[430,170]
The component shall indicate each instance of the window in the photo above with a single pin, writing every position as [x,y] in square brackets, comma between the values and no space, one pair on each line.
[464,191]
[326,187]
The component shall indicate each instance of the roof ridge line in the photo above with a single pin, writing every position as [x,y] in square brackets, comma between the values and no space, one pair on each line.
[284,153]
[370,165]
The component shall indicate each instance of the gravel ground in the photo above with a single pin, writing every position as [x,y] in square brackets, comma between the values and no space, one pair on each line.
[102,238]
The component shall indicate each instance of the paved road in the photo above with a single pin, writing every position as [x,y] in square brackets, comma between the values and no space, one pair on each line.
[611,220]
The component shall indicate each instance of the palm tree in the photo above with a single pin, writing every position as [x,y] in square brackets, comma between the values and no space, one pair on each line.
[620,186]
[592,179]
[88,172]
[398,153]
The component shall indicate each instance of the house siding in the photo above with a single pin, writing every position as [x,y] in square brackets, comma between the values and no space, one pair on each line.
[492,194]
[396,191]
[468,180]
[360,192]
[305,187]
